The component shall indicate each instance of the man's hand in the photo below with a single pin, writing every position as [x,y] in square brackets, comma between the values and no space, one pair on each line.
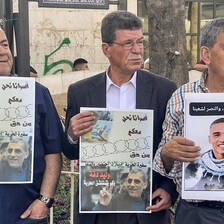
[163,200]
[80,124]
[179,149]
[37,210]
[105,196]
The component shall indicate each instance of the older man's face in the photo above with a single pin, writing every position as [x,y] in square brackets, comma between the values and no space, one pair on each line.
[6,60]
[135,185]
[16,154]
[126,60]
[216,59]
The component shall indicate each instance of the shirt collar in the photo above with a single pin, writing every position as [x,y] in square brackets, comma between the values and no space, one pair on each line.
[109,82]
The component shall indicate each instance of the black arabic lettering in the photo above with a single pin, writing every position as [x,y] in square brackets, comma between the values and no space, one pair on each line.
[133,131]
[14,99]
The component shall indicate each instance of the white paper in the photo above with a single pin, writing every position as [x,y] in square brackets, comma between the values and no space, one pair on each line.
[17,123]
[203,180]
[121,141]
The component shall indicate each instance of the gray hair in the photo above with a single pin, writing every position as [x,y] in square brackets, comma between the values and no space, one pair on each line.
[144,178]
[20,140]
[118,20]
[211,31]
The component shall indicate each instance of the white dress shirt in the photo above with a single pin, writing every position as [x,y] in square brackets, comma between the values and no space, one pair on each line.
[122,97]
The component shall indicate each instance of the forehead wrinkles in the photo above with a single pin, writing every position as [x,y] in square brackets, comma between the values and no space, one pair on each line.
[16,145]
[128,34]
[135,176]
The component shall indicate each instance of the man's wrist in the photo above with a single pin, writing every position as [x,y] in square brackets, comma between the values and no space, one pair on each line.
[47,201]
[167,161]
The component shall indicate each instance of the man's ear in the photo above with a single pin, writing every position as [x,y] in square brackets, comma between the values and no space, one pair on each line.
[26,154]
[205,54]
[209,139]
[106,49]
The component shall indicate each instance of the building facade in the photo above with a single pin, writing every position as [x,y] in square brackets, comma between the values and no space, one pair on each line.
[58,36]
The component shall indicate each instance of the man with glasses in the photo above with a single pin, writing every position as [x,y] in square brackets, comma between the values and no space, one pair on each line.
[174,148]
[17,153]
[124,86]
[133,199]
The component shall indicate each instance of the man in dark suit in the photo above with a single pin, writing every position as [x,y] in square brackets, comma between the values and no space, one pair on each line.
[124,86]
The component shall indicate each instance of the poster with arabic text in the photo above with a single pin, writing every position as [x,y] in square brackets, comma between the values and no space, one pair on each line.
[16,129]
[116,162]
[203,179]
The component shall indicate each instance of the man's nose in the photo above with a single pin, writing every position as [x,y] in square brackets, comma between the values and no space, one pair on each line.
[136,48]
[222,138]
[12,153]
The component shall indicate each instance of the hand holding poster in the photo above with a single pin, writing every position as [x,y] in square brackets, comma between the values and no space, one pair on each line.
[116,161]
[16,130]
[204,124]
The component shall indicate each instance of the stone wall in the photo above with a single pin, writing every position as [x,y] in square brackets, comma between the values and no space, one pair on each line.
[58,85]
[58,36]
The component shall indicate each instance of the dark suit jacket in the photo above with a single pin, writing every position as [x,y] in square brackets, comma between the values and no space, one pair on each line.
[153,92]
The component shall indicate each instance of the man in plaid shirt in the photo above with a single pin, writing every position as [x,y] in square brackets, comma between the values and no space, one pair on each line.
[174,148]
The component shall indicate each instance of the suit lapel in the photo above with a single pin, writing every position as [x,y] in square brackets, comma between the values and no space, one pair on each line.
[144,87]
[97,93]
[144,90]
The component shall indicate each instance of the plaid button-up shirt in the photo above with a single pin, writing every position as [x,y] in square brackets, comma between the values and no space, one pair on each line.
[174,126]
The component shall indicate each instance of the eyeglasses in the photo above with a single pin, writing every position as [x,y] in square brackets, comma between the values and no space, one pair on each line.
[136,181]
[128,45]
[16,151]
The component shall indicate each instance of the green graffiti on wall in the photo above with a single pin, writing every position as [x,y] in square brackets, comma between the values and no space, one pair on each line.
[49,67]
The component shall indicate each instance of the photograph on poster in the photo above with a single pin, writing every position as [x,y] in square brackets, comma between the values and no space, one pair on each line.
[204,124]
[115,162]
[15,159]
[16,129]
[102,127]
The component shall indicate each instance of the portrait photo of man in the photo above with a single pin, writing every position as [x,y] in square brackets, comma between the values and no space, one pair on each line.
[17,161]
[207,173]
[134,198]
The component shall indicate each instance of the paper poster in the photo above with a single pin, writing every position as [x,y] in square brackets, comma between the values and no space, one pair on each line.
[204,124]
[116,162]
[16,129]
